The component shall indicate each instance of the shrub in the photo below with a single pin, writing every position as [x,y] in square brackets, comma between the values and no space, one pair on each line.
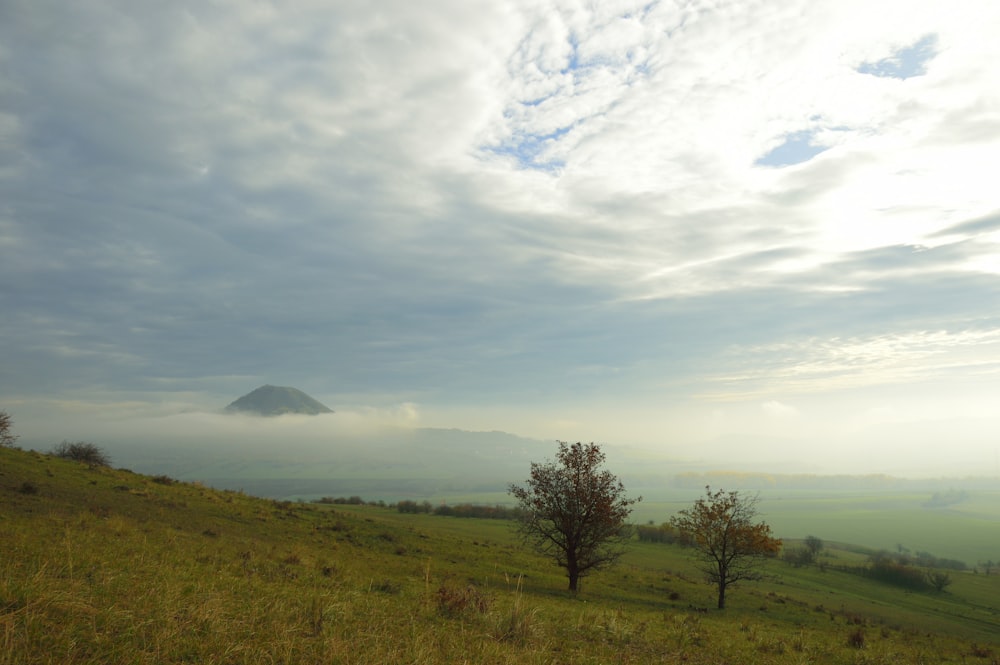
[856,638]
[454,602]
[82,451]
[7,438]
[414,507]
[664,533]
[896,570]
[939,580]
[798,557]
[981,652]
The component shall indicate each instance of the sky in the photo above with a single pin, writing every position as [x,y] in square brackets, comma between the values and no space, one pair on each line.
[741,231]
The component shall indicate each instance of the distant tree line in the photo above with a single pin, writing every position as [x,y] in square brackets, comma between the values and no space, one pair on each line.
[413,507]
[754,480]
[664,533]
[479,511]
[348,501]
[928,560]
[946,499]
[495,512]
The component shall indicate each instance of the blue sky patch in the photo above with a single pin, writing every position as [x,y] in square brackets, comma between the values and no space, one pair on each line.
[528,148]
[797,148]
[574,57]
[906,62]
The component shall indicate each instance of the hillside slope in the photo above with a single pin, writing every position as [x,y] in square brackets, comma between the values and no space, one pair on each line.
[102,565]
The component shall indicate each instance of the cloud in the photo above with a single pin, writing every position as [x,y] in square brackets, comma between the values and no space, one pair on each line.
[776,409]
[495,205]
[838,364]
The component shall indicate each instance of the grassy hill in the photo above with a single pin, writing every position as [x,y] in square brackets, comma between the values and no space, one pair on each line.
[102,565]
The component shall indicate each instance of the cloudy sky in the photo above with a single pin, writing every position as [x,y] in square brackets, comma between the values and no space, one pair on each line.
[747,230]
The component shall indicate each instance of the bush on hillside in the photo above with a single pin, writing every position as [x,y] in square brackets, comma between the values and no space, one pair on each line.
[895,570]
[798,556]
[939,580]
[7,437]
[82,451]
[456,602]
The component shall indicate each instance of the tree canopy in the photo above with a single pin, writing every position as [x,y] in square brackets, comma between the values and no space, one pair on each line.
[721,526]
[575,511]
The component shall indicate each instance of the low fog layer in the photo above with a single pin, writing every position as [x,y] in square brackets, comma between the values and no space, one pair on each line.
[392,443]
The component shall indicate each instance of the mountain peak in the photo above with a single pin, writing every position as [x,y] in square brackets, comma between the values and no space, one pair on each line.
[271,400]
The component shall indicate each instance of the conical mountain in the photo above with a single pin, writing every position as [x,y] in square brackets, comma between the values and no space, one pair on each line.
[277,400]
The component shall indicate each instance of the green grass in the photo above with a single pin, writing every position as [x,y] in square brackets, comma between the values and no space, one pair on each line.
[99,565]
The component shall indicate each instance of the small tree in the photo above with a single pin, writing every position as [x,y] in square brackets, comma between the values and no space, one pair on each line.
[7,438]
[720,525]
[82,451]
[814,545]
[573,511]
[939,579]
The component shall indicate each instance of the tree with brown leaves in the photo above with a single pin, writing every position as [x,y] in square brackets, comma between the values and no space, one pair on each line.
[721,527]
[575,512]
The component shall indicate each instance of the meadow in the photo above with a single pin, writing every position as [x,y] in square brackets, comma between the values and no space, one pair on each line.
[109,566]
[968,531]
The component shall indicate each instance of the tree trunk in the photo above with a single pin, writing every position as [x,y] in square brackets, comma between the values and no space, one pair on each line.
[573,570]
[722,594]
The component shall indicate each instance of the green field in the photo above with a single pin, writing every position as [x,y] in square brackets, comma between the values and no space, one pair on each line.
[969,531]
[106,566]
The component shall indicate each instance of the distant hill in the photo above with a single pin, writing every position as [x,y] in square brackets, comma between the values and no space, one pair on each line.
[277,400]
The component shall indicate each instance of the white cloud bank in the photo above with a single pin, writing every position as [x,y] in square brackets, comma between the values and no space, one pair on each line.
[521,216]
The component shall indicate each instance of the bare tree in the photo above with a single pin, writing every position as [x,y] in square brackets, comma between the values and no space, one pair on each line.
[720,525]
[7,438]
[575,512]
[82,451]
